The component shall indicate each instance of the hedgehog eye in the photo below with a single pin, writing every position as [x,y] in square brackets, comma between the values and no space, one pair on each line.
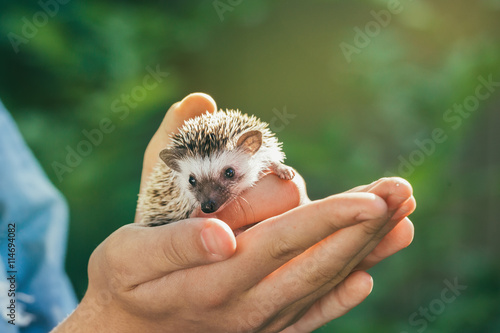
[192,180]
[229,173]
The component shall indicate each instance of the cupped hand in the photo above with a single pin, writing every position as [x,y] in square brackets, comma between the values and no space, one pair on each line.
[298,269]
[259,203]
[291,272]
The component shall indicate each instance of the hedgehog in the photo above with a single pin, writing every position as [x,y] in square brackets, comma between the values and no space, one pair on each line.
[212,159]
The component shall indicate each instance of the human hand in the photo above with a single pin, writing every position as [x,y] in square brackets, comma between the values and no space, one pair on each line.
[290,272]
[157,279]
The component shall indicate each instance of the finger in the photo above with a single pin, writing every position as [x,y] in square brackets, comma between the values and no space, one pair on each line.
[397,239]
[356,189]
[398,194]
[364,188]
[324,265]
[312,274]
[190,107]
[271,196]
[399,186]
[340,300]
[396,191]
[137,254]
[402,235]
[275,241]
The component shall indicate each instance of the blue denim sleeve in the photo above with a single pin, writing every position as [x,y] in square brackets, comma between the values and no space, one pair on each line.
[35,293]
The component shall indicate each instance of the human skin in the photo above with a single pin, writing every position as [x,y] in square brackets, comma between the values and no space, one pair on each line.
[301,267]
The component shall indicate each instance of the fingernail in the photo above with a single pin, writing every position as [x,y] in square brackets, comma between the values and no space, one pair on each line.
[211,237]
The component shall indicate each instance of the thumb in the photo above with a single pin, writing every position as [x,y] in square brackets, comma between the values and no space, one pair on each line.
[138,254]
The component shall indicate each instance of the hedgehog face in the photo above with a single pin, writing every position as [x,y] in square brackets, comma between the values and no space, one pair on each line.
[212,181]
[215,180]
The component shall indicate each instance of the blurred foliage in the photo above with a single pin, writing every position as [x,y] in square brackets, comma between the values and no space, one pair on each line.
[352,122]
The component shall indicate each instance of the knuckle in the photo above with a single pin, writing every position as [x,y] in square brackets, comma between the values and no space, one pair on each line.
[175,252]
[284,248]
[255,319]
[371,229]
[111,249]
[317,269]
[106,263]
[318,276]
[326,210]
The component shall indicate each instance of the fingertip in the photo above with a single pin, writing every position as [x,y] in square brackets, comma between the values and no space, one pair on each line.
[197,103]
[300,189]
[394,190]
[407,232]
[361,283]
[367,281]
[403,183]
[401,188]
[396,181]
[218,239]
[191,106]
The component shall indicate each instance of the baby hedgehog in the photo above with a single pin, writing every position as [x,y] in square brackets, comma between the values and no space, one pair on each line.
[210,161]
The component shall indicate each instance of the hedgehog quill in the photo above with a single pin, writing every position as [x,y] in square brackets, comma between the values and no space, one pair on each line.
[210,161]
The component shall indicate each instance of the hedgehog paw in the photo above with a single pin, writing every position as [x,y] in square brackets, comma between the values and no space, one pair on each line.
[283,171]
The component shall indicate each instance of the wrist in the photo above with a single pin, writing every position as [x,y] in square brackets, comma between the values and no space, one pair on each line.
[91,315]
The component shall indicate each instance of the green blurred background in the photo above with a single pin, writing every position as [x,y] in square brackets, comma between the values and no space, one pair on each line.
[368,93]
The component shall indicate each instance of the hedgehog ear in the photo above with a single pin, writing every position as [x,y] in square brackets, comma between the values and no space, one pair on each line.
[167,156]
[250,141]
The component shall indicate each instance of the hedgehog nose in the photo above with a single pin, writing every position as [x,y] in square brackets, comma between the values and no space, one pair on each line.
[208,207]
